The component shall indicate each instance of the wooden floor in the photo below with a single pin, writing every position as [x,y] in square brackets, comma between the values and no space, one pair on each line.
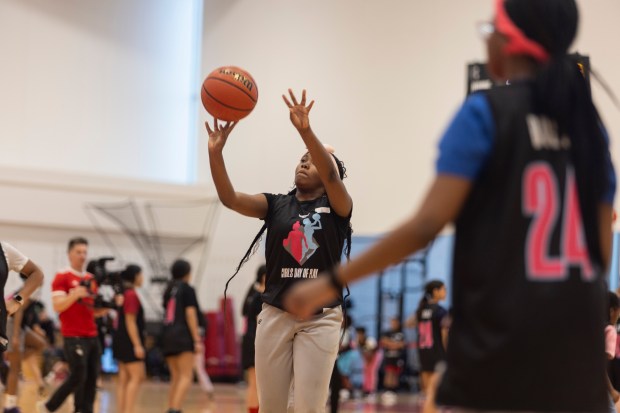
[229,398]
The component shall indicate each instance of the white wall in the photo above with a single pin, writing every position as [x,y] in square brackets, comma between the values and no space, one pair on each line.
[100,87]
[386,76]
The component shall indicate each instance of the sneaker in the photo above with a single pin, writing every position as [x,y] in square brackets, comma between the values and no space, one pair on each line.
[389,398]
[370,398]
[41,407]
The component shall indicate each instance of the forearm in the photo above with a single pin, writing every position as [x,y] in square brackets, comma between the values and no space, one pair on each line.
[320,157]
[101,312]
[441,206]
[225,190]
[409,237]
[61,303]
[32,283]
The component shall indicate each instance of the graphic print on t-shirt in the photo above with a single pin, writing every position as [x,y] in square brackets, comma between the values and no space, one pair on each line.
[300,242]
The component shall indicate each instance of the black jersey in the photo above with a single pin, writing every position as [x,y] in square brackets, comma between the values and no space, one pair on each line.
[394,355]
[303,239]
[431,348]
[529,306]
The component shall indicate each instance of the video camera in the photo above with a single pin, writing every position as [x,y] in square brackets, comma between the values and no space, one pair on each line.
[109,283]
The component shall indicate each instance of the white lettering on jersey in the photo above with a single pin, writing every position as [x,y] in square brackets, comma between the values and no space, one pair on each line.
[544,135]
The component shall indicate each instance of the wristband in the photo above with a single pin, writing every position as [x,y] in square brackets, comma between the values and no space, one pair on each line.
[333,279]
[18,299]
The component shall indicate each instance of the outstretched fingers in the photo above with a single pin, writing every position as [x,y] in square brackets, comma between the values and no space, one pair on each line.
[294,101]
[231,125]
[293,98]
[287,102]
[303,97]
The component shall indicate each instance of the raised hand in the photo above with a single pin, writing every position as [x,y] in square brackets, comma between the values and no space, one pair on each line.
[219,134]
[299,111]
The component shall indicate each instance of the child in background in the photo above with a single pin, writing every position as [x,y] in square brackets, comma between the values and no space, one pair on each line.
[611,337]
[372,356]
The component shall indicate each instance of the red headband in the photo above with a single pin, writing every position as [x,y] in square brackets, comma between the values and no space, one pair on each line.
[518,42]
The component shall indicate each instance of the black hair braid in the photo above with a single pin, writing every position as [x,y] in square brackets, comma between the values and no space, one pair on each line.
[560,93]
[249,253]
[342,172]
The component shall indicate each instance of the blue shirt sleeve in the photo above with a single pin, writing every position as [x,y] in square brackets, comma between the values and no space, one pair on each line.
[468,142]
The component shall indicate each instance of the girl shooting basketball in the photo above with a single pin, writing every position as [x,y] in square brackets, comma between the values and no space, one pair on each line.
[293,353]
[524,172]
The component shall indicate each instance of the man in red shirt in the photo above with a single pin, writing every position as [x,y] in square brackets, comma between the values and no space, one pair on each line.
[73,292]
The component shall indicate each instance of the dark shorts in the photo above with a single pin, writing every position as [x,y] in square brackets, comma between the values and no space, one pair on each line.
[125,354]
[428,362]
[122,348]
[176,339]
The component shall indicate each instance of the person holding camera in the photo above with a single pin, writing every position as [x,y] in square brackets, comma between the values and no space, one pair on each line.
[128,343]
[73,297]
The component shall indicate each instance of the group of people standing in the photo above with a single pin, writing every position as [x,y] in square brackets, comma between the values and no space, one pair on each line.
[73,297]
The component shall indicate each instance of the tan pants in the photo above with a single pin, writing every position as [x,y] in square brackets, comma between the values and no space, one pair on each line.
[295,356]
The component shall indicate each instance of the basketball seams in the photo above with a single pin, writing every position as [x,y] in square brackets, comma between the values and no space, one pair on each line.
[233,85]
[224,104]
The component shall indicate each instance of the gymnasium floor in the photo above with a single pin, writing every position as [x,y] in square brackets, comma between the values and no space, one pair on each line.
[229,398]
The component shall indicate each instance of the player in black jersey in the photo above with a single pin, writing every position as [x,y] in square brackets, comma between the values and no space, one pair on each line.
[525,174]
[430,317]
[252,307]
[306,233]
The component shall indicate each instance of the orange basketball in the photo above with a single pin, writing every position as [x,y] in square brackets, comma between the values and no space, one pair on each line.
[229,93]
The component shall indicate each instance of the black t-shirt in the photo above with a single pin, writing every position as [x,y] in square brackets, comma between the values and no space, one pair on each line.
[529,314]
[303,239]
[395,336]
[186,297]
[430,340]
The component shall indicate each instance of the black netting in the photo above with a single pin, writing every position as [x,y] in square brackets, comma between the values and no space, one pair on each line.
[161,231]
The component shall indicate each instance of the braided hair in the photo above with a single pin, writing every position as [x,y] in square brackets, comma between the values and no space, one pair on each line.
[561,93]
